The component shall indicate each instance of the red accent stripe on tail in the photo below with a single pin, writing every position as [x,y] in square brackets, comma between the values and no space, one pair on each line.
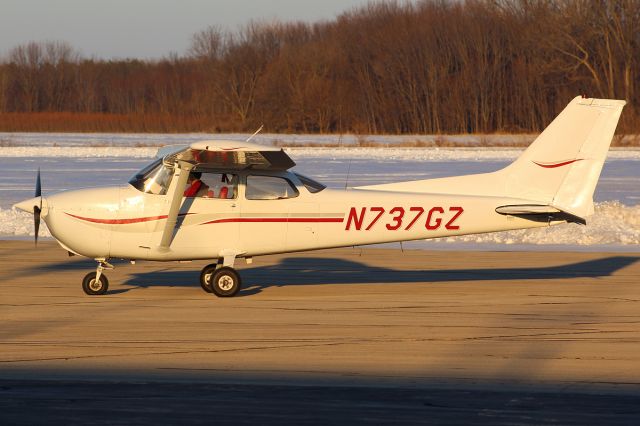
[554,165]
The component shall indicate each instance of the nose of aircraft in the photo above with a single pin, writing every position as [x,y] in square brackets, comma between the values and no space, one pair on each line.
[28,205]
[39,207]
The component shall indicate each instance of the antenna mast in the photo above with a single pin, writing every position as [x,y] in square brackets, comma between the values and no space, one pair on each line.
[255,133]
[346,181]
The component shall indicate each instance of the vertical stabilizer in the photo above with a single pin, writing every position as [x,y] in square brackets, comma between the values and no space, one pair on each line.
[559,169]
[562,166]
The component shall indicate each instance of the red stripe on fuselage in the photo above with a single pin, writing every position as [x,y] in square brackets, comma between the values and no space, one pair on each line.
[122,221]
[227,220]
[277,220]
[554,165]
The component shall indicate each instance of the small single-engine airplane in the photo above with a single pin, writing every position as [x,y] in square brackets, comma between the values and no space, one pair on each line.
[224,200]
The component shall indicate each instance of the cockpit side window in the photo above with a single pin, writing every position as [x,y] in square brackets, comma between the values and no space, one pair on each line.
[269,188]
[311,185]
[153,179]
[212,185]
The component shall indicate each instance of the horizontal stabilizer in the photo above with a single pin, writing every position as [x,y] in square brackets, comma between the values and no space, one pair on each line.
[526,209]
[538,212]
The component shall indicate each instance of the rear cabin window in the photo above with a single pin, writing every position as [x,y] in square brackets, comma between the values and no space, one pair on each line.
[269,188]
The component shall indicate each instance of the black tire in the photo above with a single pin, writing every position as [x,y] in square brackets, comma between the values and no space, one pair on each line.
[225,282]
[205,277]
[93,288]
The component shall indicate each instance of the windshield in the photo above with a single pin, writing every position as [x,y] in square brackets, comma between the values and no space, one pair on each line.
[153,179]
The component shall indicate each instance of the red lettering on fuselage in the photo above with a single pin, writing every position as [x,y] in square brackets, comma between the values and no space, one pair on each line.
[395,218]
[357,220]
[420,210]
[431,226]
[380,212]
[458,211]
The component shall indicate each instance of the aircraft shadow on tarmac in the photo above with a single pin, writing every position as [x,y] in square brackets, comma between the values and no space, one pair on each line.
[325,270]
[319,271]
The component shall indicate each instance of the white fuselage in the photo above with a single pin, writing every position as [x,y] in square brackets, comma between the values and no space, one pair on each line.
[170,210]
[123,222]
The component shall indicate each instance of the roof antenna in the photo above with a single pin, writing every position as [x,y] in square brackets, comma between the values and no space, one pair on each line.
[255,133]
[346,181]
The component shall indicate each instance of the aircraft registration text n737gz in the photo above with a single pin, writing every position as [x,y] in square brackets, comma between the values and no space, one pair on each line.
[434,218]
[228,200]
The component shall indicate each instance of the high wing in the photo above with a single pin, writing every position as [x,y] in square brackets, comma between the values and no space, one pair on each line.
[233,155]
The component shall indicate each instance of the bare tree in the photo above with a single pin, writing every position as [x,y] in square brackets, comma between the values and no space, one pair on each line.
[208,44]
[426,66]
[29,58]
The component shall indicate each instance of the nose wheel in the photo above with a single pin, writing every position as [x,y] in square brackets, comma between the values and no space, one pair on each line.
[96,283]
[93,285]
[221,281]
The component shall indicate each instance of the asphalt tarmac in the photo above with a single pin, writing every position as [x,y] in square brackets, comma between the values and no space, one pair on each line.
[346,336]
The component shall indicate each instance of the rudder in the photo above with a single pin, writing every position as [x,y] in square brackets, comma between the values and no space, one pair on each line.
[562,166]
[559,170]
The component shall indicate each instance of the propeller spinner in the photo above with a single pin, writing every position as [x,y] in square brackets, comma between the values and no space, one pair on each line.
[35,206]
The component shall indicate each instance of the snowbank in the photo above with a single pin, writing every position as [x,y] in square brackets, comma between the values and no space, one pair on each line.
[76,152]
[371,154]
[613,223]
[18,223]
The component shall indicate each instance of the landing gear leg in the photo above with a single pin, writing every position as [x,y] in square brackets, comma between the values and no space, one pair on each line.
[96,283]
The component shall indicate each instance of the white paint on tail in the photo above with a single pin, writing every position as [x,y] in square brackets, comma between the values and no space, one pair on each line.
[560,168]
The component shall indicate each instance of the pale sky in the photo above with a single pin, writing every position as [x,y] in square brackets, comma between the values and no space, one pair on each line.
[144,28]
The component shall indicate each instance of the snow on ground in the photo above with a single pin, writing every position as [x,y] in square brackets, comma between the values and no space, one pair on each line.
[76,152]
[612,223]
[159,139]
[400,154]
[70,161]
[15,223]
[430,154]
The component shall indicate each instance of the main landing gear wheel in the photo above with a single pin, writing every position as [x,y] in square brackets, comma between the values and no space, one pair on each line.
[205,276]
[94,287]
[223,282]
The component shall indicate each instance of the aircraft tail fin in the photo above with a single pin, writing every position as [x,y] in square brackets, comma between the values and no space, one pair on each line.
[562,166]
[560,169]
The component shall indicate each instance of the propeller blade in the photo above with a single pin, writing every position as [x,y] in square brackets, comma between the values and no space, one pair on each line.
[36,222]
[37,209]
[38,185]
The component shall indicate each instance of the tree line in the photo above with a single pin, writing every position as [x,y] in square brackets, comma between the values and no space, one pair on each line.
[476,66]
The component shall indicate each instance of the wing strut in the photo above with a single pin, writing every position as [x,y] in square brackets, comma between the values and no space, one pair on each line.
[176,201]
